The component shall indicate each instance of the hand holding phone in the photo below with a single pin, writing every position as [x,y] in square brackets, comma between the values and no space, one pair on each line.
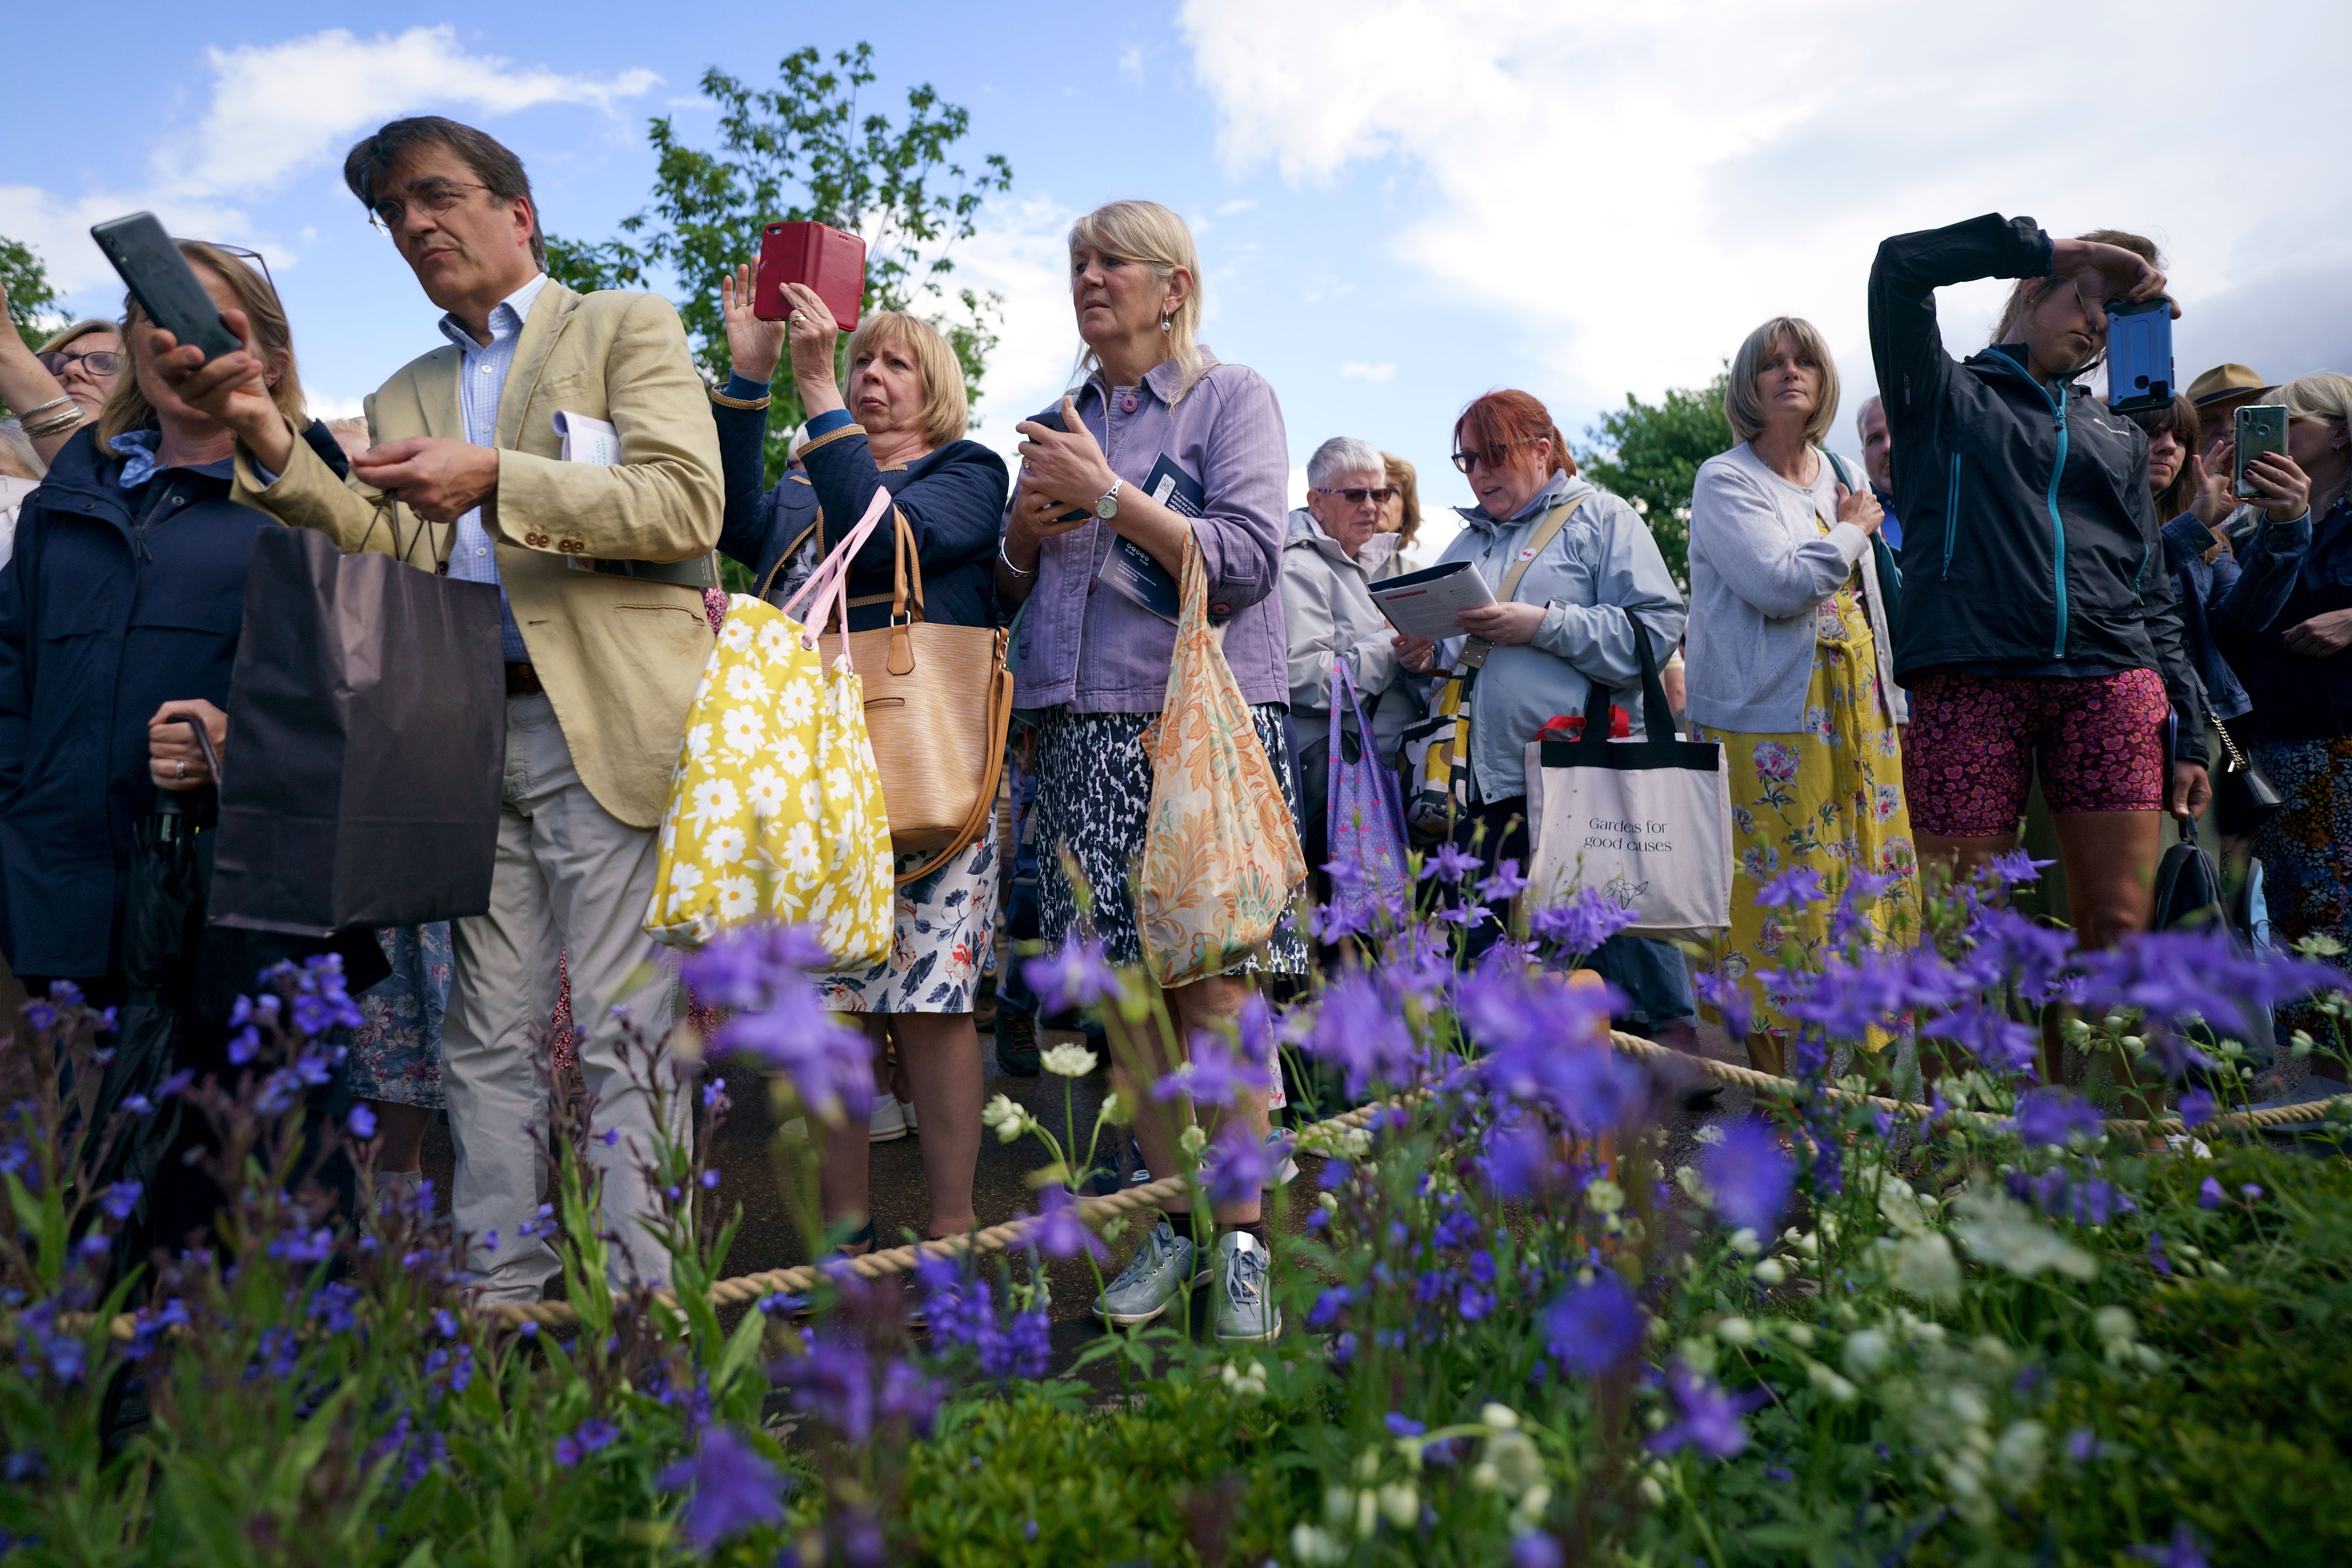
[2139,354]
[824,259]
[1053,420]
[164,285]
[2260,427]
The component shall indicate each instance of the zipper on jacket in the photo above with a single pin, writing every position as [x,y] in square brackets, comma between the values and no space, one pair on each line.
[1951,516]
[2058,526]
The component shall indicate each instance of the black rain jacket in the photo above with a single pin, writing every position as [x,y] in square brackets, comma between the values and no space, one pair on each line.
[2029,535]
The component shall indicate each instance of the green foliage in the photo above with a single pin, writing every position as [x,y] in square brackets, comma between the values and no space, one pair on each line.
[27,283]
[1650,453]
[803,150]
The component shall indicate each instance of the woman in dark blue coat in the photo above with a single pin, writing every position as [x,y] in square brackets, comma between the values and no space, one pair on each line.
[895,420]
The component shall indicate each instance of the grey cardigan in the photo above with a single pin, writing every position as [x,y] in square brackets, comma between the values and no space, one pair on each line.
[1759,566]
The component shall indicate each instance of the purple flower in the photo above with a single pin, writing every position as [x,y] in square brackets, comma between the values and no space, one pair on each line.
[2015,867]
[1024,1350]
[1533,1549]
[1356,1029]
[1519,1164]
[2011,946]
[1505,885]
[2252,1192]
[1995,1038]
[1751,1176]
[2082,1444]
[1212,1073]
[2209,1194]
[1075,976]
[1590,1329]
[591,1437]
[1059,1232]
[1235,1165]
[2196,1110]
[735,1490]
[362,1122]
[740,969]
[1577,928]
[1449,864]
[1710,1420]
[2046,1118]
[119,1200]
[830,1065]
[833,1381]
[1728,995]
[2181,1551]
[908,1396]
[1794,888]
[1402,1425]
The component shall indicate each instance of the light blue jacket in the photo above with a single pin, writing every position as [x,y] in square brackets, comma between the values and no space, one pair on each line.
[1602,559]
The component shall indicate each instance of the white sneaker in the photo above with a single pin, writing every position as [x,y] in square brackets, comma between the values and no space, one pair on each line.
[888,1122]
[907,1109]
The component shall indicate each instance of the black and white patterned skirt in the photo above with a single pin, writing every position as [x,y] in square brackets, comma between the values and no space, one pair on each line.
[1094,798]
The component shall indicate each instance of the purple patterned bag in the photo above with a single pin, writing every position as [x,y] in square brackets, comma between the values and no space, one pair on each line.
[1364,821]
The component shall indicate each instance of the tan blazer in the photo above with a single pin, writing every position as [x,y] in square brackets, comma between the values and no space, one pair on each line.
[620,658]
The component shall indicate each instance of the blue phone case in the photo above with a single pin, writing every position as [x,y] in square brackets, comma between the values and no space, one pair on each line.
[2139,355]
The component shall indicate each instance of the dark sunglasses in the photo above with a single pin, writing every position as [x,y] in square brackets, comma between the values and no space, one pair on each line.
[1378,498]
[97,361]
[1492,456]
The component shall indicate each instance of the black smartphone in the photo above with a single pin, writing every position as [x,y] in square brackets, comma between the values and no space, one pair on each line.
[2139,354]
[160,278]
[1052,419]
[2260,427]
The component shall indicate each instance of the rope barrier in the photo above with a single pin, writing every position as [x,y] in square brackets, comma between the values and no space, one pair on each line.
[1096,1212]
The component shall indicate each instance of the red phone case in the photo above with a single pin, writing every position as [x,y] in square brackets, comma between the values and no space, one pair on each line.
[824,259]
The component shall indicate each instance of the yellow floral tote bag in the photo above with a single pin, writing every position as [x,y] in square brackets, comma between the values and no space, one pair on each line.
[776,809]
[1220,855]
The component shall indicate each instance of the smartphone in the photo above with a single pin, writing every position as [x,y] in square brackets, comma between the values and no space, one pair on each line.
[824,259]
[2261,427]
[1052,419]
[160,278]
[2139,354]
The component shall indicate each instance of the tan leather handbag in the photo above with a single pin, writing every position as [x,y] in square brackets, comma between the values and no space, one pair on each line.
[938,702]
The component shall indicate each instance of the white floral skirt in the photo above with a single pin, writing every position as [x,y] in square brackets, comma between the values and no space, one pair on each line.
[942,928]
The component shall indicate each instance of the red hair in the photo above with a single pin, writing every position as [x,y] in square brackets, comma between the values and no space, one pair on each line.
[1496,423]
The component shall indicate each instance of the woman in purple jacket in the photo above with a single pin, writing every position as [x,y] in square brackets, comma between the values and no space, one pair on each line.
[1160,441]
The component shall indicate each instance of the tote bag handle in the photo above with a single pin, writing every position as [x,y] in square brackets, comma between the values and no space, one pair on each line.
[830,579]
[1657,717]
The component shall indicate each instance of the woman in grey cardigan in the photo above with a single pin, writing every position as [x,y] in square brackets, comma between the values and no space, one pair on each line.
[1791,668]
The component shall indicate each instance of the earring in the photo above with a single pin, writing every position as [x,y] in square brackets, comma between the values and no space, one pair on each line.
[1166,324]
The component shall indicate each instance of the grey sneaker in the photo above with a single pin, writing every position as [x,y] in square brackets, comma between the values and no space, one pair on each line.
[1163,1266]
[1245,1310]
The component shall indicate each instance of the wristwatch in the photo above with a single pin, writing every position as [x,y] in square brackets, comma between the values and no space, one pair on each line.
[1108,507]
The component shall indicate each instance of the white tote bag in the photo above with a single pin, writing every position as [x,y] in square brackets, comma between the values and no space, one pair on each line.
[1646,821]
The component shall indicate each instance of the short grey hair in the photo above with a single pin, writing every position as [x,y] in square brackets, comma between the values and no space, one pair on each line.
[1861,415]
[19,459]
[1344,454]
[1745,410]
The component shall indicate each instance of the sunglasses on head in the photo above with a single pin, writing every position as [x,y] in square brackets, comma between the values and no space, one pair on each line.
[1379,497]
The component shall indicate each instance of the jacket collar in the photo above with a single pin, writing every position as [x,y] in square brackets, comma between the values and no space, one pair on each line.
[1160,380]
[1559,487]
[2012,359]
[2186,540]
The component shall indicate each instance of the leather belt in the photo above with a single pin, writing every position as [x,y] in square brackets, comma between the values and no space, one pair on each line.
[523,680]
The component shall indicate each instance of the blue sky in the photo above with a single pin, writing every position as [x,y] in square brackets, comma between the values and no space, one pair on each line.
[1399,204]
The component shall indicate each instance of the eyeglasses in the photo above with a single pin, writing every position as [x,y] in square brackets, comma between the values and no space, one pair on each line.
[1378,498]
[96,362]
[435,196]
[242,253]
[1492,456]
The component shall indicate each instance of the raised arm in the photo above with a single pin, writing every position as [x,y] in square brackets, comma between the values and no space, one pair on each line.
[751,510]
[1906,345]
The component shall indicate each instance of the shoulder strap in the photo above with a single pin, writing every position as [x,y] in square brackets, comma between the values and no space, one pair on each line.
[1837,465]
[790,550]
[1538,542]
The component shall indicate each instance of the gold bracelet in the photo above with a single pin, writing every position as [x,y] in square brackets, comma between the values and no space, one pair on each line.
[723,400]
[56,425]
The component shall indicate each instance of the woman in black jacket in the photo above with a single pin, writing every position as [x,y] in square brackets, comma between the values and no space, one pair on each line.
[895,419]
[2039,623]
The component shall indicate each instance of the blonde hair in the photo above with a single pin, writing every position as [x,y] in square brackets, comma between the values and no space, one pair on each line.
[944,413]
[127,408]
[1408,484]
[1155,235]
[1745,410]
[2324,396]
[78,330]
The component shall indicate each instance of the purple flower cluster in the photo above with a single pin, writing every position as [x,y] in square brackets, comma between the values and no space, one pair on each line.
[961,1309]
[734,1489]
[1710,1418]
[1577,927]
[761,973]
[1074,977]
[2047,1118]
[1594,1327]
[1749,1175]
[2061,1195]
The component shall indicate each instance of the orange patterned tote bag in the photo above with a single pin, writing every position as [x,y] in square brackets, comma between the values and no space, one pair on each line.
[1220,855]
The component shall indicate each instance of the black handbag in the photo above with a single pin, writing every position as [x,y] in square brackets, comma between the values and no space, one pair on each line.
[2188,887]
[2244,798]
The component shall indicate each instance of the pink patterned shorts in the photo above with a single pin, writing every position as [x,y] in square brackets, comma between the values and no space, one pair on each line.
[1968,759]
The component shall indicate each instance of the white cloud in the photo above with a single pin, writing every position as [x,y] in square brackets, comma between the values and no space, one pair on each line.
[1633,188]
[1356,370]
[276,111]
[1130,63]
[1020,249]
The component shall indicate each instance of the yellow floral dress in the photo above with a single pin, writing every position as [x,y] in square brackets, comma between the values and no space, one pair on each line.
[1827,797]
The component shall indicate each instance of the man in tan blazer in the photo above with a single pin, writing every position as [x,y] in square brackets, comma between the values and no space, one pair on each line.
[602,570]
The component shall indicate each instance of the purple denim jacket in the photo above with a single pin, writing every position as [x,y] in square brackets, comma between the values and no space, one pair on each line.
[1093,648]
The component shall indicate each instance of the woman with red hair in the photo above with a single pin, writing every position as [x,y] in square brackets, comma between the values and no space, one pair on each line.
[1594,577]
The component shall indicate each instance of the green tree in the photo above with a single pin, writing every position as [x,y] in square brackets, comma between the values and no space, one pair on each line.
[1650,453]
[798,151]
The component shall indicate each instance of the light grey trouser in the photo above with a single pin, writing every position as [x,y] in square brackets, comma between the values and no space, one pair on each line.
[570,878]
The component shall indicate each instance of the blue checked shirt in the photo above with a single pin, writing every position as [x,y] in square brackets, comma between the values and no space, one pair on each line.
[482,380]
